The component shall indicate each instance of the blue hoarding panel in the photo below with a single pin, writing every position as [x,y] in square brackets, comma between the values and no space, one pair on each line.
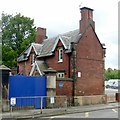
[26,90]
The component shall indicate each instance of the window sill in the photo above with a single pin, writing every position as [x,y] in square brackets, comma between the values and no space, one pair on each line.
[60,61]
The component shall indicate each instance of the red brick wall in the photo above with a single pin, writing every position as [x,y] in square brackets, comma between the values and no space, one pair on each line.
[21,67]
[25,66]
[65,90]
[53,60]
[28,66]
[91,65]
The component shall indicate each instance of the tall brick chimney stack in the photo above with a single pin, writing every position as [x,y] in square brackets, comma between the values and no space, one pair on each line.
[41,34]
[86,19]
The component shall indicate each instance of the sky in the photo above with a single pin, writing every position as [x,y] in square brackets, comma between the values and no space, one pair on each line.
[60,16]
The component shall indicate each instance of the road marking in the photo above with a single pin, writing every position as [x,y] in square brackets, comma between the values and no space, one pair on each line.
[86,114]
[51,118]
[114,110]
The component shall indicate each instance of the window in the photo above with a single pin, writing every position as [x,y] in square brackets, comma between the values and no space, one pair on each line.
[60,75]
[60,55]
[33,58]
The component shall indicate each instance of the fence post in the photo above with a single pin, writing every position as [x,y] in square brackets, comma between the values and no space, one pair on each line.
[41,104]
[51,81]
[11,110]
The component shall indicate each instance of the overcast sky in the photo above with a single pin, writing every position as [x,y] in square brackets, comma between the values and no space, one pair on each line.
[60,16]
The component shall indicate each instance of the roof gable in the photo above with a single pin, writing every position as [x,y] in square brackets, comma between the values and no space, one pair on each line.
[97,36]
[36,47]
[25,54]
[90,25]
[56,42]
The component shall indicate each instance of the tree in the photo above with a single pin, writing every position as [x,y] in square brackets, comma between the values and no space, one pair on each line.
[112,74]
[17,32]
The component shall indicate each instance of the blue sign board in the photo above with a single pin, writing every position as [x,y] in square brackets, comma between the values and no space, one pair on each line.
[60,84]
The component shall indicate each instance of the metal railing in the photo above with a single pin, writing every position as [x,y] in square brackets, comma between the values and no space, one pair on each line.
[22,106]
[30,106]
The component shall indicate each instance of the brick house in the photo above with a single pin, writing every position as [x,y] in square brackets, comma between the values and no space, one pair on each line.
[77,56]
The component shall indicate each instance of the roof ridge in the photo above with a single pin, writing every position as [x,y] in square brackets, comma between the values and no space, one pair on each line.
[36,44]
[65,36]
[49,38]
[70,31]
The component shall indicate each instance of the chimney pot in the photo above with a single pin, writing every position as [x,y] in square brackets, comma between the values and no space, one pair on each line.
[41,34]
[86,18]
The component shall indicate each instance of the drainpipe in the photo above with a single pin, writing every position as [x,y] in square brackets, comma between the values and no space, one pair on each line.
[25,68]
[74,77]
[17,69]
[69,65]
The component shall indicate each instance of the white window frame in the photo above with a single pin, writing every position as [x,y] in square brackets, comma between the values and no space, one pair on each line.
[61,75]
[60,55]
[33,59]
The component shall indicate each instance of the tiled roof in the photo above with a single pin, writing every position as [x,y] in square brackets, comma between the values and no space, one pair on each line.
[3,67]
[67,38]
[24,55]
[46,48]
[37,47]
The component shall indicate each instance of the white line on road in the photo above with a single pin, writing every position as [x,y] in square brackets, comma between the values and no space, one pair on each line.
[114,110]
[86,114]
[51,118]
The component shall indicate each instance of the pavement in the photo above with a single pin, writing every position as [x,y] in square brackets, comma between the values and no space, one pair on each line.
[57,111]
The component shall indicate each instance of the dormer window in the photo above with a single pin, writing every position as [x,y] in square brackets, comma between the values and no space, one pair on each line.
[60,55]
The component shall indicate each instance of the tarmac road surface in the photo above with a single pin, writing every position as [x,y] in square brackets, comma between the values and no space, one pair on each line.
[111,114]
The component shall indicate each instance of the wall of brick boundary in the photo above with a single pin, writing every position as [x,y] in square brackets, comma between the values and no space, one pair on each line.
[90,100]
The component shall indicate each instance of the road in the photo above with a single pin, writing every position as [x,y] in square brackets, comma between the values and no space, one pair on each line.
[106,113]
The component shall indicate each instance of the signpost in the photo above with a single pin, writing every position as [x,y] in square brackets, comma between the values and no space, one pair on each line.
[13,101]
[52,100]
[60,84]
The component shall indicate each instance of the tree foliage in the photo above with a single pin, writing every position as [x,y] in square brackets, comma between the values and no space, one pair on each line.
[17,32]
[112,74]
